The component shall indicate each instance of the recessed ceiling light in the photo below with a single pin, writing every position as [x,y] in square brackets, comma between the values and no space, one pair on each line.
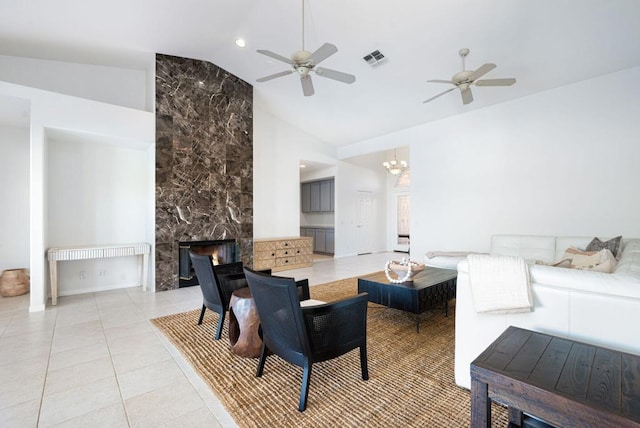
[241,43]
[302,165]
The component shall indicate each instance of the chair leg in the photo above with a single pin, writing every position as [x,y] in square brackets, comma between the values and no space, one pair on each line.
[204,308]
[263,359]
[220,324]
[363,362]
[304,390]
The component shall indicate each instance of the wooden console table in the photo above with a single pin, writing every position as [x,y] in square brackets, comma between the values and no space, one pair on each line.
[561,381]
[280,254]
[58,254]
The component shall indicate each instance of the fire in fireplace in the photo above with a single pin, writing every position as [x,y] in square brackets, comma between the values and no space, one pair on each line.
[222,251]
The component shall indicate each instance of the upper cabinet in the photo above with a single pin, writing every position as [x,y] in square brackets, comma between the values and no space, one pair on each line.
[317,196]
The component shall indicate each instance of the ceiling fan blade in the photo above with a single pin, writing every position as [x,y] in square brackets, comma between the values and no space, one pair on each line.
[307,85]
[335,75]
[467,96]
[274,76]
[322,53]
[496,82]
[482,71]
[275,56]
[442,81]
[439,95]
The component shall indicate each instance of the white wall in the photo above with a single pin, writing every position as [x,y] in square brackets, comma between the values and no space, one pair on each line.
[55,114]
[561,162]
[14,197]
[349,181]
[278,148]
[97,195]
[125,87]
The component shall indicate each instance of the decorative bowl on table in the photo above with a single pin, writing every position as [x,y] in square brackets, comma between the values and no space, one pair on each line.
[404,269]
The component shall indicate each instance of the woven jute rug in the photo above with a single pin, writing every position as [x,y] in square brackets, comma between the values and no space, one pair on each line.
[410,382]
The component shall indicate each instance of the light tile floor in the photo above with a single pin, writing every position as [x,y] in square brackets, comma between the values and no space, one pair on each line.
[95,360]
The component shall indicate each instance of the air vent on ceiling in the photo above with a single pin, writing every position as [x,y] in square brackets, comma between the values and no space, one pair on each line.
[375,58]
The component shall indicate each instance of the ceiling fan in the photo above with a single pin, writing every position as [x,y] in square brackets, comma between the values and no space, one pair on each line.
[305,62]
[465,78]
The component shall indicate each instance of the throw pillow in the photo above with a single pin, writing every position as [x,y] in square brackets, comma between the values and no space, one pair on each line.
[565,263]
[612,244]
[601,261]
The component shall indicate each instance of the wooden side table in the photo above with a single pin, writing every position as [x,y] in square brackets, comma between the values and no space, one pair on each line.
[563,382]
[243,324]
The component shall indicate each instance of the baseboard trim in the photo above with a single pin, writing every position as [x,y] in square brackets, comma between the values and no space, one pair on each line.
[100,288]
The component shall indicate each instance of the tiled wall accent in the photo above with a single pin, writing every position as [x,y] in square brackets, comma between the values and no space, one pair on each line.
[204,160]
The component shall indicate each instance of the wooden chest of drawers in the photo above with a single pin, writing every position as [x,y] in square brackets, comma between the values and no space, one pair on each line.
[283,253]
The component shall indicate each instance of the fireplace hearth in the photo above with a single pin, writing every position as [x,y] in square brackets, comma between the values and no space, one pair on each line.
[222,251]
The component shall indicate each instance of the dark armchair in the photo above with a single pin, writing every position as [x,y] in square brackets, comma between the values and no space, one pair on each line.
[219,281]
[303,336]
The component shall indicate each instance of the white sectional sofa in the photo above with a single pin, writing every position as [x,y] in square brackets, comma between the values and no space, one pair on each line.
[593,307]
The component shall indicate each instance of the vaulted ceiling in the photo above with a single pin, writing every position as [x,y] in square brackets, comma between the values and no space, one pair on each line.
[543,44]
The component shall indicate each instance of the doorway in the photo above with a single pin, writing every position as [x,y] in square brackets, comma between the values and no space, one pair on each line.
[364,222]
[400,211]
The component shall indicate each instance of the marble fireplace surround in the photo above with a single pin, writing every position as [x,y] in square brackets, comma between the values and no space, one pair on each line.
[222,252]
[204,161]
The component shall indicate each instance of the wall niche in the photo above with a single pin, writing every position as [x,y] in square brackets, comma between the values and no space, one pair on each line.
[204,160]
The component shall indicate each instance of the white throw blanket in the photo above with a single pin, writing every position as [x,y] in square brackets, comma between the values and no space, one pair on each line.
[499,284]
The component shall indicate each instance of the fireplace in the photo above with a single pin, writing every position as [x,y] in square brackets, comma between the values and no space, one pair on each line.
[222,251]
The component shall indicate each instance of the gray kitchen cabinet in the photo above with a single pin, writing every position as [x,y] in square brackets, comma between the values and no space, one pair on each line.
[332,197]
[317,196]
[319,243]
[305,197]
[325,196]
[323,239]
[329,242]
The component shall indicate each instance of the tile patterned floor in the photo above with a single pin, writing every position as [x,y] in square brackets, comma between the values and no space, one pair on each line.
[95,360]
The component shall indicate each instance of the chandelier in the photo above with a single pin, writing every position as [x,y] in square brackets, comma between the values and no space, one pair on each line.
[395,166]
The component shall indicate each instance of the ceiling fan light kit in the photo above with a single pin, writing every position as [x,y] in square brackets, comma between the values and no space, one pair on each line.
[305,62]
[464,79]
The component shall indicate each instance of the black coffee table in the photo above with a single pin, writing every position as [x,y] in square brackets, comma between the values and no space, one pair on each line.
[431,288]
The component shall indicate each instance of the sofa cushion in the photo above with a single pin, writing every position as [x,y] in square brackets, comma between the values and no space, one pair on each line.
[601,261]
[629,263]
[612,244]
[527,247]
[564,242]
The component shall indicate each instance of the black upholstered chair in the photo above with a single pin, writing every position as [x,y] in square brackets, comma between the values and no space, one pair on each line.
[220,281]
[306,335]
[215,293]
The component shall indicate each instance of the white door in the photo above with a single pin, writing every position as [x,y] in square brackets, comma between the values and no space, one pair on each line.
[401,221]
[364,222]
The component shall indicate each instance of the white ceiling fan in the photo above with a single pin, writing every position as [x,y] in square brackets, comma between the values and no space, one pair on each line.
[304,62]
[465,78]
